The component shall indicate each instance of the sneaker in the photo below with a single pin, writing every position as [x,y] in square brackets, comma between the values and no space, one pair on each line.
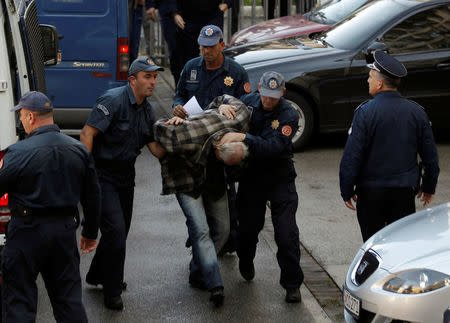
[293,295]
[247,269]
[217,296]
[114,303]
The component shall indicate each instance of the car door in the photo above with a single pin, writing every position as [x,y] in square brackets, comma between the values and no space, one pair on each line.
[422,43]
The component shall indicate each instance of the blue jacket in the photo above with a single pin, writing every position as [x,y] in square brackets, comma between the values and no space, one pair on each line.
[206,85]
[387,134]
[52,170]
[270,140]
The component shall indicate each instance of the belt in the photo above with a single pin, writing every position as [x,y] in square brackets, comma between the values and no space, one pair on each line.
[26,213]
[115,165]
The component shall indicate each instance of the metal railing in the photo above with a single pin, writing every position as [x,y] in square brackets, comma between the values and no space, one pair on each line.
[246,16]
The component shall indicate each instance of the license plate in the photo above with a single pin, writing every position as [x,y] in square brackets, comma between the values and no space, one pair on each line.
[352,303]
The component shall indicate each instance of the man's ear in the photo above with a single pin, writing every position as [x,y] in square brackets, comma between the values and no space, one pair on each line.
[259,87]
[284,91]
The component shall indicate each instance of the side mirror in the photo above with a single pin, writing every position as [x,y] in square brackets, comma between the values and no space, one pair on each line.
[49,36]
[368,53]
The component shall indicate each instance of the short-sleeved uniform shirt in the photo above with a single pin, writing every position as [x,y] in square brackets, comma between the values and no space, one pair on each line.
[270,140]
[125,127]
[231,78]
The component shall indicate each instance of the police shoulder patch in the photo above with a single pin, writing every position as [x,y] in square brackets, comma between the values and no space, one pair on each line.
[286,130]
[103,109]
[247,87]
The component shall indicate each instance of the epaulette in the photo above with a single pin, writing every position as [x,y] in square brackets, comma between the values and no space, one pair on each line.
[361,104]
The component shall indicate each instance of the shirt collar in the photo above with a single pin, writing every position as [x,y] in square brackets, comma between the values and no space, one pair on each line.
[225,64]
[392,93]
[44,129]
[131,96]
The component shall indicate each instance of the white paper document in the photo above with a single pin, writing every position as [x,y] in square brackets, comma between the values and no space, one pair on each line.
[192,107]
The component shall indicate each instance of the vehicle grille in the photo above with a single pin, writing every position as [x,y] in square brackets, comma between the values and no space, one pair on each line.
[366,267]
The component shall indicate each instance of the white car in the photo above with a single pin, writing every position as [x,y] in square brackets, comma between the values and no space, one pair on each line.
[403,272]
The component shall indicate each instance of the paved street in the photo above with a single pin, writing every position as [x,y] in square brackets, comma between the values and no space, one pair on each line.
[157,261]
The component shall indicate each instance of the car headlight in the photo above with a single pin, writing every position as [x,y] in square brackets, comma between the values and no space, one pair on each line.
[417,281]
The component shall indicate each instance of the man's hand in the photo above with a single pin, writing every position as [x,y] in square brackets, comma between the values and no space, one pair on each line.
[231,137]
[175,120]
[139,3]
[223,7]
[151,13]
[426,198]
[87,245]
[179,21]
[179,111]
[156,149]
[349,203]
[228,111]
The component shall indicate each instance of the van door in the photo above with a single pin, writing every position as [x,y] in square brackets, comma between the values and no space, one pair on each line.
[92,32]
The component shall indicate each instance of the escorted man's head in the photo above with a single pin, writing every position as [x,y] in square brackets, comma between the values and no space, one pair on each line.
[271,87]
[142,77]
[211,45]
[385,73]
[35,110]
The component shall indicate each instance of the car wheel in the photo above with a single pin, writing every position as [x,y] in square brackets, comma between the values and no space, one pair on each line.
[305,121]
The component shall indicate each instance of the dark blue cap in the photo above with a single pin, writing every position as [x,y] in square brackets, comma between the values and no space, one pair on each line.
[34,101]
[387,65]
[143,64]
[210,35]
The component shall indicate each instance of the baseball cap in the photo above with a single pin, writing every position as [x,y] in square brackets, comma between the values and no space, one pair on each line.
[34,101]
[387,65]
[209,35]
[272,85]
[143,64]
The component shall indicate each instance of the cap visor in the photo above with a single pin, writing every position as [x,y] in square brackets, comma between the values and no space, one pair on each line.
[15,108]
[153,68]
[276,94]
[208,42]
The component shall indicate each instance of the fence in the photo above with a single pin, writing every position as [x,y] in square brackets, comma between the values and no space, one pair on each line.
[236,18]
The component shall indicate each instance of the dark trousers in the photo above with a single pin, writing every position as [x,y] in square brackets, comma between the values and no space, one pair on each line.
[168,28]
[107,266]
[378,207]
[48,246]
[251,206]
[187,39]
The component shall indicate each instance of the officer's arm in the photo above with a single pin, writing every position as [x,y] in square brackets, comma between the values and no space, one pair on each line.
[180,97]
[156,149]
[353,157]
[87,136]
[9,162]
[90,200]
[430,160]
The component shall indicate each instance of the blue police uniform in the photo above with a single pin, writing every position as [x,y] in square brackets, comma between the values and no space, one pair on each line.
[206,84]
[380,159]
[45,176]
[125,127]
[270,176]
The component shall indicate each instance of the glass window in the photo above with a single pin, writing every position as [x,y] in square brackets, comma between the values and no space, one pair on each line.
[426,31]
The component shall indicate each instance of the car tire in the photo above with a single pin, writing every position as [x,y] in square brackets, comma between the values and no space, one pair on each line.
[305,121]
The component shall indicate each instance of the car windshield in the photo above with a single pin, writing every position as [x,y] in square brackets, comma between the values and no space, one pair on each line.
[357,28]
[334,11]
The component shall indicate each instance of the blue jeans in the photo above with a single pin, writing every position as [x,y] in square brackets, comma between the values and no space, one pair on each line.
[208,226]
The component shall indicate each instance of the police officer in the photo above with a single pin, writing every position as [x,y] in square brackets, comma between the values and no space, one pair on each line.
[270,176]
[45,176]
[379,169]
[119,125]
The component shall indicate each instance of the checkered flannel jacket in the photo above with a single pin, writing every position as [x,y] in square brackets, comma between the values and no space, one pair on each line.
[189,144]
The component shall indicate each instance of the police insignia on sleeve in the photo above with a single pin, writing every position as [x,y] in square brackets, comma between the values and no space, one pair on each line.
[275,124]
[228,81]
[103,109]
[193,75]
[286,130]
[247,87]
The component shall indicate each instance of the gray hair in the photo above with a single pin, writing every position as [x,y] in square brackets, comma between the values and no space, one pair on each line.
[229,150]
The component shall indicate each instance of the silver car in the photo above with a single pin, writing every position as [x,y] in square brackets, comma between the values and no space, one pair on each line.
[403,272]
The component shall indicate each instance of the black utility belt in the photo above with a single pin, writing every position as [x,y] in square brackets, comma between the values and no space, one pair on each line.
[25,212]
[115,165]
